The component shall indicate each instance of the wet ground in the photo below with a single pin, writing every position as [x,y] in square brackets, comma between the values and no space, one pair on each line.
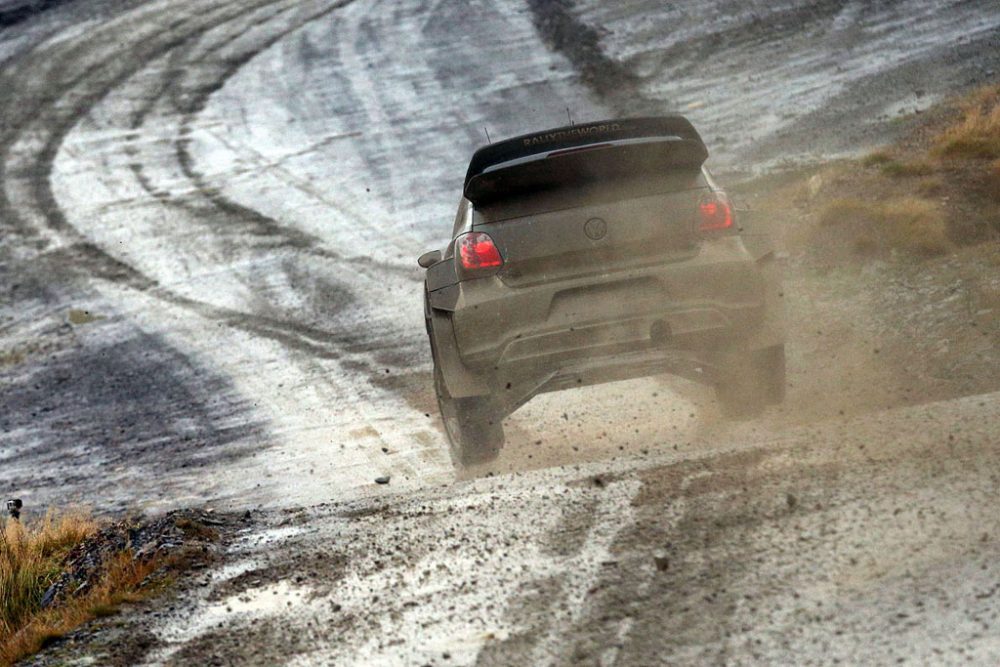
[210,215]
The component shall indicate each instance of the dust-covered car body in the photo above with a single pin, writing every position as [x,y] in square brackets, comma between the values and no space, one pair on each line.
[592,253]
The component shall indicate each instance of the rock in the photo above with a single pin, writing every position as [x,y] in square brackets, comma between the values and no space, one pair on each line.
[50,595]
[815,184]
[382,480]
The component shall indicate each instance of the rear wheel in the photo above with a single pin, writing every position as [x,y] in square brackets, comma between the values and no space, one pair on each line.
[749,383]
[473,425]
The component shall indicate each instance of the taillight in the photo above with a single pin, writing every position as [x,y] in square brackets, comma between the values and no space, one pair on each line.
[716,213]
[477,254]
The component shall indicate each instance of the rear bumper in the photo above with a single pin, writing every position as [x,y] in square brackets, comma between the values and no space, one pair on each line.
[686,340]
[516,387]
[695,304]
[685,326]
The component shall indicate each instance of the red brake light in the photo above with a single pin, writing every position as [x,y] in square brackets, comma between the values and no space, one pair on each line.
[716,213]
[476,251]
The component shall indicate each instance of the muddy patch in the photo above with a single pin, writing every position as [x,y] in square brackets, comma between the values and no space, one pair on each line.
[121,400]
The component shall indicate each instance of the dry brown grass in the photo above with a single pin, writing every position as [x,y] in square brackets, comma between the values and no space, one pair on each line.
[121,583]
[897,169]
[929,194]
[910,224]
[930,187]
[915,225]
[977,134]
[31,557]
[876,159]
[845,211]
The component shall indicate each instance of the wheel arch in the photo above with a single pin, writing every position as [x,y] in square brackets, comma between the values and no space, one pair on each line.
[459,380]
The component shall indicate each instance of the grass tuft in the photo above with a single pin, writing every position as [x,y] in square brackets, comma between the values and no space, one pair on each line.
[897,169]
[977,134]
[915,225]
[930,187]
[31,558]
[909,224]
[845,212]
[876,159]
[929,194]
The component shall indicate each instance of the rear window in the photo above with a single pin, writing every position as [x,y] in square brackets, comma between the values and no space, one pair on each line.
[535,201]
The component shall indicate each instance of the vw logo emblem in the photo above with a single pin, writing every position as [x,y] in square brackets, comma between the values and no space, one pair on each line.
[596,229]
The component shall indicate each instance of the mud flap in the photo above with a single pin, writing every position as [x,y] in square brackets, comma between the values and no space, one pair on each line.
[458,379]
[751,373]
[771,331]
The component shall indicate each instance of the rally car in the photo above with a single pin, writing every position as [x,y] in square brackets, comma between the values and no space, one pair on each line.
[593,253]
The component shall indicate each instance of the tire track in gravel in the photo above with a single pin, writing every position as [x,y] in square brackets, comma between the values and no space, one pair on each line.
[774,83]
[611,81]
[59,118]
[254,221]
[187,87]
[69,85]
[21,11]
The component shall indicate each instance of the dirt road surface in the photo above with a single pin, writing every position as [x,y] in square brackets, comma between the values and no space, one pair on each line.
[210,212]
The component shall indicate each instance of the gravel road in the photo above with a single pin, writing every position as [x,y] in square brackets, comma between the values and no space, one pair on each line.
[210,212]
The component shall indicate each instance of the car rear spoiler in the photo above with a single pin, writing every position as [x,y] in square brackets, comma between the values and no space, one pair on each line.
[582,153]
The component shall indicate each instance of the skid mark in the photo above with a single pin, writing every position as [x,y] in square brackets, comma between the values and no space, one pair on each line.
[613,514]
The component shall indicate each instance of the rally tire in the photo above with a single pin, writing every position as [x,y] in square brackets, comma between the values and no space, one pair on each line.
[473,425]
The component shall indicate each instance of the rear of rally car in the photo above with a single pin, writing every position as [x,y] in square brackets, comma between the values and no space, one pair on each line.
[596,253]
